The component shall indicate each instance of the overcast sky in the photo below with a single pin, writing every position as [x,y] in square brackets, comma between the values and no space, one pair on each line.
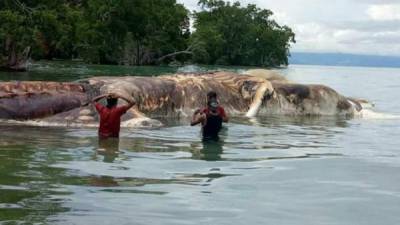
[345,26]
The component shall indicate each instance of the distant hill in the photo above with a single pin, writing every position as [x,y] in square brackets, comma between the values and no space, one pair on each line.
[339,59]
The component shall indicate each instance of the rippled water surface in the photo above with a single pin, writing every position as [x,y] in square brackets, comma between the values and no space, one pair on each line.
[267,170]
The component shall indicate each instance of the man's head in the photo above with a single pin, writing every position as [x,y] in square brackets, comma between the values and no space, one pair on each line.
[211,95]
[111,102]
[212,101]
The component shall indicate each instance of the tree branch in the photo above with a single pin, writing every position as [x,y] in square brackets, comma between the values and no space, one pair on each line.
[162,58]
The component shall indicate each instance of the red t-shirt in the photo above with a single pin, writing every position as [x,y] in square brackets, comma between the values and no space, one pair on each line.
[220,111]
[110,119]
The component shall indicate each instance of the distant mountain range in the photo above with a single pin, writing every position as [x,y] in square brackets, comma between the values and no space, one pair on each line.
[340,59]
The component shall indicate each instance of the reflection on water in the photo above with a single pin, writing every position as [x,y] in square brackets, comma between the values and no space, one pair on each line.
[109,148]
[71,71]
[211,150]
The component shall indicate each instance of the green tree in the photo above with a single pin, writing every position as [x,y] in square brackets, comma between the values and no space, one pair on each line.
[48,27]
[99,31]
[157,27]
[15,34]
[236,35]
[140,31]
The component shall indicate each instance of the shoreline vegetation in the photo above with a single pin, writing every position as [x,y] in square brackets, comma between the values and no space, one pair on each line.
[140,32]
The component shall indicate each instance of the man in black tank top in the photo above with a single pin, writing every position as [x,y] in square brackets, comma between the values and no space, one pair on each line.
[210,117]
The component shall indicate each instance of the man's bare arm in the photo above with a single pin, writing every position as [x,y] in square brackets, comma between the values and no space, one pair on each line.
[96,99]
[92,101]
[198,117]
[224,116]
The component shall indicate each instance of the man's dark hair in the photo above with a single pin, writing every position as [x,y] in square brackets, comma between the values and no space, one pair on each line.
[111,102]
[211,94]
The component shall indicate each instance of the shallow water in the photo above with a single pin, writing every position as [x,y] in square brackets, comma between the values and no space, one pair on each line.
[274,170]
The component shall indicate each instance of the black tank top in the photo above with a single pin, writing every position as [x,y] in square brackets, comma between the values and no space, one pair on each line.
[212,127]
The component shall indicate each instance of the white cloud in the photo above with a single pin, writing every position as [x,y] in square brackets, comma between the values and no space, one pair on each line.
[315,37]
[320,37]
[348,26]
[384,12]
[281,17]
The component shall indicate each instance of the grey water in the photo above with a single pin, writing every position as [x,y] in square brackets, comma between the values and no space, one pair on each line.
[266,170]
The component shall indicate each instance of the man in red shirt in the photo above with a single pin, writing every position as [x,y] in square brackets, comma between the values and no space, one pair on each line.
[210,117]
[110,115]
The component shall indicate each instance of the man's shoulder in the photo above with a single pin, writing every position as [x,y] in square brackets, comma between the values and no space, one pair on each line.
[221,111]
[121,109]
[98,106]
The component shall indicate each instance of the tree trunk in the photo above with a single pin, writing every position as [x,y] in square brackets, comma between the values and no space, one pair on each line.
[138,53]
[16,61]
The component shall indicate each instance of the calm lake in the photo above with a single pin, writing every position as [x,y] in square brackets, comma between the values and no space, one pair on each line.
[268,170]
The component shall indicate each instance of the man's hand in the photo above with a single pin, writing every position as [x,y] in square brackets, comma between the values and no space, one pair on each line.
[202,116]
[83,104]
[197,111]
[198,117]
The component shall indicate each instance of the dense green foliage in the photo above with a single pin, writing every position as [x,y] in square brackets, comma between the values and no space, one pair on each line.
[138,32]
[236,35]
[132,32]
